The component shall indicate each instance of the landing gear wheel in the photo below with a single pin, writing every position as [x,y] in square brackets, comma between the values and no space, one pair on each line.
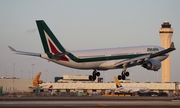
[123,77]
[94,78]
[98,74]
[90,77]
[127,74]
[94,73]
[119,77]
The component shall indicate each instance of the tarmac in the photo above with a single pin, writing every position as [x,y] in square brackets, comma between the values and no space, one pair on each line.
[89,102]
[88,98]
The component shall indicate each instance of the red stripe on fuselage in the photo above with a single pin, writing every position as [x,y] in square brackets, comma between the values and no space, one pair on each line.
[55,51]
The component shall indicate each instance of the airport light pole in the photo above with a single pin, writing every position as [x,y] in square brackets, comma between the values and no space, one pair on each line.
[53,75]
[131,75]
[157,77]
[106,76]
[32,70]
[13,74]
[46,75]
[14,69]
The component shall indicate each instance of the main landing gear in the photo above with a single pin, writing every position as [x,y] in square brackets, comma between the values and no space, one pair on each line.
[94,74]
[123,75]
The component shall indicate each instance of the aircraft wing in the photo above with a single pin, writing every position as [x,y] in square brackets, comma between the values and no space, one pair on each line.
[50,87]
[171,48]
[24,53]
[127,90]
[142,59]
[33,87]
[134,61]
[133,91]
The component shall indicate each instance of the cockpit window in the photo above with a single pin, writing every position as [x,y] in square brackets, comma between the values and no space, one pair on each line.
[152,49]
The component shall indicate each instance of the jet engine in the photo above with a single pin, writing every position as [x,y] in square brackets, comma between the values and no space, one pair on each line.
[152,64]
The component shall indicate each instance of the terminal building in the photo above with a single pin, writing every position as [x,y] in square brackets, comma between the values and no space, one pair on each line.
[76,78]
[16,85]
[73,83]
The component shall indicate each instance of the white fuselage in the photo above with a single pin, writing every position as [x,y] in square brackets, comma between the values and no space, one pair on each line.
[108,52]
[132,89]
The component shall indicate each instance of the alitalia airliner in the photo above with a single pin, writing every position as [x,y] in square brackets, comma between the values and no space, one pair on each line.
[148,56]
[128,89]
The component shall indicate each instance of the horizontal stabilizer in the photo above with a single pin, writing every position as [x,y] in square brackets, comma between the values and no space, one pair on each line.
[59,56]
[24,53]
[11,48]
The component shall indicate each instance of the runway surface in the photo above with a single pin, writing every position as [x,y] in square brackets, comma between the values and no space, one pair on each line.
[90,103]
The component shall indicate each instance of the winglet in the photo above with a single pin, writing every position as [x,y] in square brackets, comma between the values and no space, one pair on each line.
[172,45]
[11,48]
[171,48]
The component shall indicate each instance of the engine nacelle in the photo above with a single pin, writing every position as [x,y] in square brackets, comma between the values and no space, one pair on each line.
[152,65]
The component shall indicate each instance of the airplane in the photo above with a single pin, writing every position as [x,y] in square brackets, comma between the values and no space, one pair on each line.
[36,81]
[148,56]
[120,88]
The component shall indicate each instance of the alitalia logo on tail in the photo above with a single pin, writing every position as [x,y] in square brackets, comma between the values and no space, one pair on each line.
[51,45]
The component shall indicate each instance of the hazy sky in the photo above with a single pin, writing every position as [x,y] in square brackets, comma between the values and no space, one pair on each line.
[84,24]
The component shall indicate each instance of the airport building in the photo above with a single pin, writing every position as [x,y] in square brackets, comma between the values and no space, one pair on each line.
[68,85]
[75,78]
[11,85]
[166,33]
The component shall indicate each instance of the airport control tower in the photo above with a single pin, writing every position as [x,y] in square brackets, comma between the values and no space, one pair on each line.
[166,33]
